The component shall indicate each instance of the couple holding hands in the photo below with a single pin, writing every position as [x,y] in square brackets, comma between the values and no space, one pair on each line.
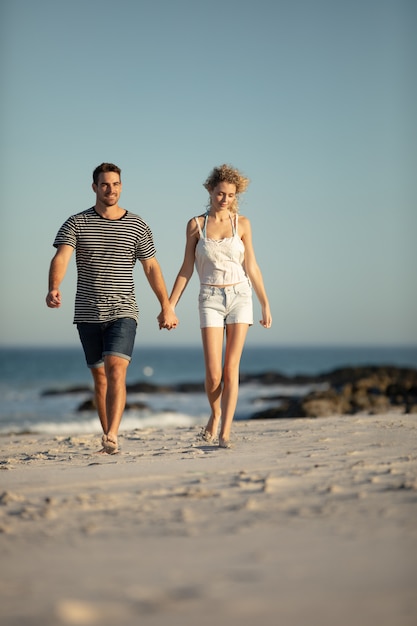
[108,240]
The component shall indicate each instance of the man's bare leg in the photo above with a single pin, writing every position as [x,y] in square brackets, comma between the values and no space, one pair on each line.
[110,397]
[116,369]
[100,393]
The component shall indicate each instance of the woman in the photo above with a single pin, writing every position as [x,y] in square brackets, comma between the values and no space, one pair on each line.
[219,243]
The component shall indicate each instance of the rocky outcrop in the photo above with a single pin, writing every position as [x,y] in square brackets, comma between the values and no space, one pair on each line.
[90,405]
[144,387]
[352,390]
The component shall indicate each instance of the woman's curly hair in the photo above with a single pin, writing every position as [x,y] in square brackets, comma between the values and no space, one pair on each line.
[227,174]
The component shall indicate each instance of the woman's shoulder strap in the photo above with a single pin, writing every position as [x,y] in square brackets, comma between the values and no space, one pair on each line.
[197,219]
[234,221]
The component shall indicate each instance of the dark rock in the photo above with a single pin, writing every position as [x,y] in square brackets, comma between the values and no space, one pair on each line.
[276,378]
[142,387]
[190,388]
[325,403]
[135,406]
[290,407]
[67,390]
[90,405]
[369,389]
[87,405]
[373,375]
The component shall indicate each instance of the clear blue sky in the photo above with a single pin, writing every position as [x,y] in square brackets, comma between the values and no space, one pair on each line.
[314,100]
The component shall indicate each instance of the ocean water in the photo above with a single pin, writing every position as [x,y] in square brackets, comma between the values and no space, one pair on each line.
[26,373]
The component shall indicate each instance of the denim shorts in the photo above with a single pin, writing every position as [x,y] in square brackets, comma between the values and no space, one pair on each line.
[100,339]
[219,306]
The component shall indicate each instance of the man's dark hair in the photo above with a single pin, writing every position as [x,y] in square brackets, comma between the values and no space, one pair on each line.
[105,167]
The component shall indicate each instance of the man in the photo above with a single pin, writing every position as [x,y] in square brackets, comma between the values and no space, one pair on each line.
[107,241]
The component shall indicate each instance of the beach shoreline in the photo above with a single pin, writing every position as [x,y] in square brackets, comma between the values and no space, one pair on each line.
[308,520]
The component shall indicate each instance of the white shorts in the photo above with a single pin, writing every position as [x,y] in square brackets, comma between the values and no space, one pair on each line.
[219,306]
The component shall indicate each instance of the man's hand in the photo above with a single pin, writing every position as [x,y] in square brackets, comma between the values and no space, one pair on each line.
[53,299]
[167,319]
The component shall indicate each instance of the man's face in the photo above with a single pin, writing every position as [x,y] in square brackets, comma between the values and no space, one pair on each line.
[108,188]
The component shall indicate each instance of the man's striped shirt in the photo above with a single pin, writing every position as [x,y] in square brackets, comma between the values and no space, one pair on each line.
[106,252]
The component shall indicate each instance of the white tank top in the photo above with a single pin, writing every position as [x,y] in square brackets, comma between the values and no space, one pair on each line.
[220,261]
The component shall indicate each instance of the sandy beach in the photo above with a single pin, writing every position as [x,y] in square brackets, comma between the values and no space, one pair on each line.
[304,521]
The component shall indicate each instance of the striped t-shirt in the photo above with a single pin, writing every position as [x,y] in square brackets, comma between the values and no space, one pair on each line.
[106,252]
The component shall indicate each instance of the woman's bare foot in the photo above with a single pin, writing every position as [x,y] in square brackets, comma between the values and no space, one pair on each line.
[110,445]
[209,433]
[206,436]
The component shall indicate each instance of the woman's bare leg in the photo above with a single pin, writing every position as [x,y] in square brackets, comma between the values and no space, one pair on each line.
[235,341]
[213,352]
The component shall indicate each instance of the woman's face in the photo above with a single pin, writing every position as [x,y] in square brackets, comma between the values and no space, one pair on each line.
[222,196]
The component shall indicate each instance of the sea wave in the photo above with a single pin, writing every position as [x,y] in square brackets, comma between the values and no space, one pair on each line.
[59,413]
[87,424]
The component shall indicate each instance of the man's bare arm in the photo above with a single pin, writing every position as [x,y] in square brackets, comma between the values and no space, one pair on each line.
[57,271]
